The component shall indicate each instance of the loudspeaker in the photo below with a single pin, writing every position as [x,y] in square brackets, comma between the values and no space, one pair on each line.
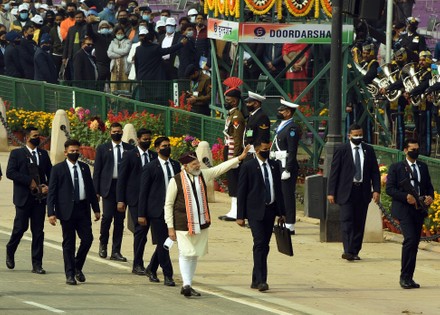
[364,9]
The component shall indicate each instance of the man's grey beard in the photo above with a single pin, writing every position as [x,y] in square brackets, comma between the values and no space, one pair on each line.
[195,172]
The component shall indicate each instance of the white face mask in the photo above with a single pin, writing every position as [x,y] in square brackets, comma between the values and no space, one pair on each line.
[163,18]
[192,18]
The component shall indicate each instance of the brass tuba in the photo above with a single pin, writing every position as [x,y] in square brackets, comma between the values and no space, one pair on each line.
[436,94]
[388,79]
[410,81]
[374,87]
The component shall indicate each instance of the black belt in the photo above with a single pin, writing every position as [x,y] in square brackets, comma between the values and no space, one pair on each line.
[357,184]
[81,202]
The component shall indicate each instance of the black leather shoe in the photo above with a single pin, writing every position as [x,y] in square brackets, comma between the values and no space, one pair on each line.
[186,291]
[226,218]
[254,285]
[102,251]
[152,275]
[169,282]
[139,270]
[347,256]
[10,262]
[356,257]
[38,270]
[263,287]
[414,284]
[70,280]
[194,292]
[118,257]
[80,276]
[406,284]
[292,232]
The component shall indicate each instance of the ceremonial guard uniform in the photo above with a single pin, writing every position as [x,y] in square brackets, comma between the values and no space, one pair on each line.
[413,41]
[258,123]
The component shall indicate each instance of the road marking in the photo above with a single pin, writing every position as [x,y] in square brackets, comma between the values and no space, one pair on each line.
[46,307]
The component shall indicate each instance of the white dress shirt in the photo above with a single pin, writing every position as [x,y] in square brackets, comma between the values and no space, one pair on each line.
[272,190]
[82,190]
[164,170]
[412,170]
[361,154]
[36,155]
[141,152]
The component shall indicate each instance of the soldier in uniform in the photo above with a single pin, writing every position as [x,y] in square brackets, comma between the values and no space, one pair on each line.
[422,113]
[258,123]
[413,41]
[286,147]
[234,130]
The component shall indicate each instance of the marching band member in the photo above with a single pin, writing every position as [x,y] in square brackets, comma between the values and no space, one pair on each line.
[413,41]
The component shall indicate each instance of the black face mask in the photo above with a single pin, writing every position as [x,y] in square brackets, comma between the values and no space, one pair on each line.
[123,21]
[250,108]
[29,37]
[116,136]
[356,141]
[35,141]
[166,152]
[280,116]
[228,106]
[71,14]
[264,154]
[80,23]
[133,22]
[73,156]
[412,28]
[144,145]
[50,20]
[413,154]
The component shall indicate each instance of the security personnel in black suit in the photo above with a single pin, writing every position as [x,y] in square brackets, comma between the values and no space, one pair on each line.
[258,123]
[404,206]
[71,194]
[105,177]
[354,174]
[28,205]
[128,192]
[260,199]
[285,146]
[154,182]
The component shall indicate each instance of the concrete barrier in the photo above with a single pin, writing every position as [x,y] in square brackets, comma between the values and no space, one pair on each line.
[373,225]
[3,133]
[203,150]
[58,137]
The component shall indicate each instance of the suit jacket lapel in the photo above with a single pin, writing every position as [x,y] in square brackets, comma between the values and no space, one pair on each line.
[69,175]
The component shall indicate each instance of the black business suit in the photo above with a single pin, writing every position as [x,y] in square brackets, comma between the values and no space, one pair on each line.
[105,186]
[151,205]
[27,208]
[353,198]
[251,205]
[74,216]
[129,180]
[257,127]
[411,220]
[287,139]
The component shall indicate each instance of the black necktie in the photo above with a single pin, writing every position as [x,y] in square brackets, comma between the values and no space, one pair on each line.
[118,147]
[76,184]
[168,170]
[34,157]
[268,197]
[145,155]
[357,164]
[416,178]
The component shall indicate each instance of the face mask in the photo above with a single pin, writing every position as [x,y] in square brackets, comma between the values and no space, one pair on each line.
[7,6]
[110,6]
[30,36]
[73,156]
[412,29]
[144,145]
[413,154]
[123,21]
[170,29]
[166,152]
[200,24]
[43,15]
[116,137]
[192,19]
[88,49]
[50,20]
[35,142]
[228,106]
[356,140]
[250,108]
[264,154]
[190,34]
[280,116]
[133,22]
[120,36]
[71,14]
[104,31]
[80,23]
[163,18]
[24,16]
[46,48]
[146,18]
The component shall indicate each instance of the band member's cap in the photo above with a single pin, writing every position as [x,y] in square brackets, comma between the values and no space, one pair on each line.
[188,157]
[412,20]
[254,97]
[368,47]
[285,105]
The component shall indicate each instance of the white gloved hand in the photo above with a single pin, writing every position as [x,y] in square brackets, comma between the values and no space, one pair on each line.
[285,175]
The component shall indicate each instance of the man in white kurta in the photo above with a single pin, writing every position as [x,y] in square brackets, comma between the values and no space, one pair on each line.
[190,229]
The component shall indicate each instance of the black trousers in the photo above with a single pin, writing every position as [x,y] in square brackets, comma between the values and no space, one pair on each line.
[288,187]
[353,215]
[411,223]
[161,256]
[261,233]
[139,237]
[422,119]
[111,213]
[80,223]
[34,212]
